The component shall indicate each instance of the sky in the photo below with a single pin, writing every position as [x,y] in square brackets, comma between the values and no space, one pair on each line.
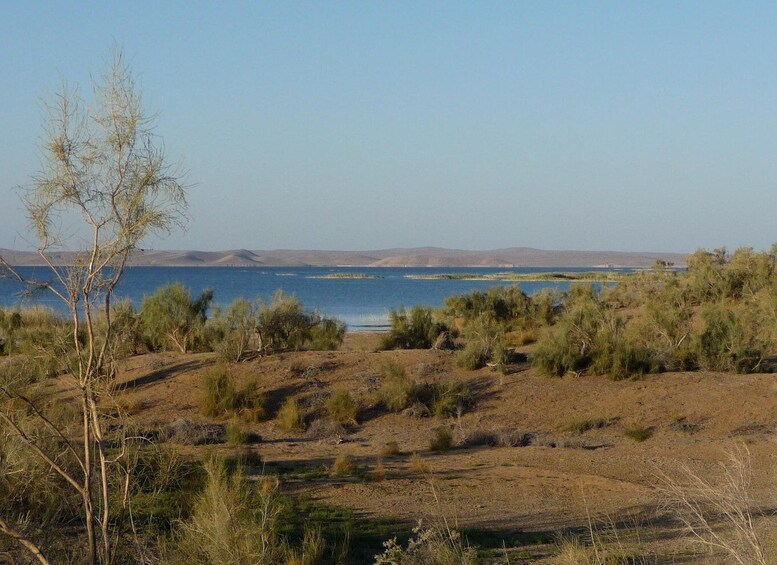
[629,126]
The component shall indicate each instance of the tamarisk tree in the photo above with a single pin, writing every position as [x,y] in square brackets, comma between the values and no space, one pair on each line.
[105,185]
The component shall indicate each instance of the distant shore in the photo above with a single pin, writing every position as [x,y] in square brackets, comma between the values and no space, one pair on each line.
[419,257]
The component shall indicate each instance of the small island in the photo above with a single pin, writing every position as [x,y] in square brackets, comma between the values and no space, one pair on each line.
[593,276]
[358,276]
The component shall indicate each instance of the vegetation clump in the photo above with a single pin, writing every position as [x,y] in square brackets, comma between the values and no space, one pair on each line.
[290,417]
[342,408]
[416,329]
[221,397]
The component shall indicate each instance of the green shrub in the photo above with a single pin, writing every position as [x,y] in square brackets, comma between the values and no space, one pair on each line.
[290,417]
[342,408]
[637,432]
[414,330]
[327,334]
[221,397]
[284,324]
[237,434]
[449,399]
[172,318]
[504,304]
[731,340]
[235,330]
[238,520]
[484,342]
[397,391]
[580,426]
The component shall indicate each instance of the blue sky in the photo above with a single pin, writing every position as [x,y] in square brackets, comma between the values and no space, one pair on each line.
[359,125]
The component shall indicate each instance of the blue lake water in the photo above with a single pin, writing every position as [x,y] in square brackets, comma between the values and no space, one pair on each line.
[361,303]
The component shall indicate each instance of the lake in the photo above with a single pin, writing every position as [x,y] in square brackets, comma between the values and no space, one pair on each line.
[363,304]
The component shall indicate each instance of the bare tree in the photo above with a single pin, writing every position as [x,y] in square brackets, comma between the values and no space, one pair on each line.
[104,174]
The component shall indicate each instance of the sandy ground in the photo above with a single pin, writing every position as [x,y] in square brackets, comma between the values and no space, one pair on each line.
[554,483]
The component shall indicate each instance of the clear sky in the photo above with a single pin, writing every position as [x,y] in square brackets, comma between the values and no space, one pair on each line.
[358,125]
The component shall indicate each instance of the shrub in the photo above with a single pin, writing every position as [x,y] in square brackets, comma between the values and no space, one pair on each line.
[171,317]
[237,434]
[126,333]
[239,522]
[221,398]
[580,426]
[418,464]
[343,465]
[450,399]
[237,328]
[484,342]
[442,439]
[327,334]
[378,473]
[397,390]
[290,417]
[731,341]
[439,545]
[637,432]
[342,408]
[284,324]
[390,449]
[501,303]
[414,330]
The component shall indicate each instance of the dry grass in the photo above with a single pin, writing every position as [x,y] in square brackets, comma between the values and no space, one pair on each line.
[419,465]
[290,417]
[378,473]
[343,466]
[718,514]
[389,449]
[442,439]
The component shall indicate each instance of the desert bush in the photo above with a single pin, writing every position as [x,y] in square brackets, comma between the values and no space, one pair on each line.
[418,464]
[416,329]
[327,334]
[582,425]
[324,428]
[637,432]
[342,408]
[343,465]
[236,329]
[284,324]
[126,333]
[290,417]
[484,343]
[590,335]
[390,449]
[442,440]
[505,304]
[222,398]
[449,398]
[730,340]
[438,545]
[232,523]
[237,434]
[397,390]
[173,318]
[158,468]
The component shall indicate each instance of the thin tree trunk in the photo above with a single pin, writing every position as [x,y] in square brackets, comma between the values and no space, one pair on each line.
[87,492]
[31,547]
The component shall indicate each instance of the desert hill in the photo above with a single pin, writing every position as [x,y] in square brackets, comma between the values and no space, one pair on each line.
[399,257]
